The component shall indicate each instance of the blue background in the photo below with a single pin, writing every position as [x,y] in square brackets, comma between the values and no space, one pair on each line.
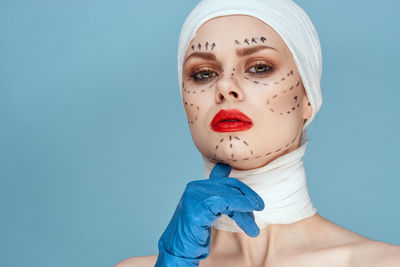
[95,150]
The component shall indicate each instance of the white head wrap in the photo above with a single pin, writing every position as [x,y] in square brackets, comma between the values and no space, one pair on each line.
[281,183]
[285,17]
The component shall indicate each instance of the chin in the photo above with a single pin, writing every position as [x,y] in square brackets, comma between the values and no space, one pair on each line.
[247,165]
[240,161]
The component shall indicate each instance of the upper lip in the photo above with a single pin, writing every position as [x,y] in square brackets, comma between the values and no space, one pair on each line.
[229,114]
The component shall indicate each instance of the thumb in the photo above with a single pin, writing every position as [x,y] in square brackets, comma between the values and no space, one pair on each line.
[220,170]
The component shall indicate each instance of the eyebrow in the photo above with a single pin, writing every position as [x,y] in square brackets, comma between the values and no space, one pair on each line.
[240,52]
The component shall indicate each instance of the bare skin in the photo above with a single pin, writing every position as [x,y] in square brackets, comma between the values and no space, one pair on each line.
[313,241]
[275,99]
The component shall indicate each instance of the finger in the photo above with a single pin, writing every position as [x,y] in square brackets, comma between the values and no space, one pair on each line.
[220,170]
[243,188]
[227,204]
[245,220]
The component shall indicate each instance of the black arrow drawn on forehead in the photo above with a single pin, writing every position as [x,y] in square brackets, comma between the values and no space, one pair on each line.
[253,40]
[263,39]
[212,46]
[206,45]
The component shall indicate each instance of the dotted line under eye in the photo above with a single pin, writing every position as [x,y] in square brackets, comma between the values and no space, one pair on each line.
[193,92]
[290,73]
[188,91]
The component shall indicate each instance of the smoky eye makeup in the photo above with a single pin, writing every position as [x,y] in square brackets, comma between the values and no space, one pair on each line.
[260,69]
[201,74]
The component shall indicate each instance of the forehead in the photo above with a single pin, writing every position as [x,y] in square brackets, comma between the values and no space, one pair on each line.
[225,30]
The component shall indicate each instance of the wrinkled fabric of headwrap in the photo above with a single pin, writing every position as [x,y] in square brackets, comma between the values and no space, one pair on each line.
[282,182]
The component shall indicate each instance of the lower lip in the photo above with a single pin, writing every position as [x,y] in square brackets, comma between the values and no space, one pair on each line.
[232,126]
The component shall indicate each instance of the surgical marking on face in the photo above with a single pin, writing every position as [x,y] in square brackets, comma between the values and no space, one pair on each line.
[283,92]
[185,90]
[233,70]
[251,153]
[252,40]
[207,44]
[290,73]
[193,118]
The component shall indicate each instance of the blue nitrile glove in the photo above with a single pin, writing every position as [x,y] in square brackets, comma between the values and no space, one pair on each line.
[186,239]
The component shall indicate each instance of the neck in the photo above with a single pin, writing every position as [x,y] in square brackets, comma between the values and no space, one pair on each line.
[273,240]
[281,184]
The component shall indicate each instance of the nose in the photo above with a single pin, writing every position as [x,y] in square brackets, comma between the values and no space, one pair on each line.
[228,90]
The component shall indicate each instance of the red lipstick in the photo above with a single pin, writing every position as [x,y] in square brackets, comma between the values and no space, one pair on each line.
[231,120]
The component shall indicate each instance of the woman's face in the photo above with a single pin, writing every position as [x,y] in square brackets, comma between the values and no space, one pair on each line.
[242,93]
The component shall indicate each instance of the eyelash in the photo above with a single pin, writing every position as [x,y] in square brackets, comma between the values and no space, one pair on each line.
[199,80]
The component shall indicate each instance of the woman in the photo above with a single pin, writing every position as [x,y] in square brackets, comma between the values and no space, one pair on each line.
[249,73]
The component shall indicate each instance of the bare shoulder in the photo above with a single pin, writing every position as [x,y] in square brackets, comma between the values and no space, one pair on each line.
[144,261]
[338,246]
[376,253]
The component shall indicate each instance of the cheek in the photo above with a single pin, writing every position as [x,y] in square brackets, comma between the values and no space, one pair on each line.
[192,112]
[281,95]
[284,99]
[194,101]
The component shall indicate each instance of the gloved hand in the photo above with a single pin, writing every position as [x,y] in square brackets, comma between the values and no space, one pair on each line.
[186,239]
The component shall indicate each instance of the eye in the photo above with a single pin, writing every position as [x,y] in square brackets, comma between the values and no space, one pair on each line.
[203,75]
[260,68]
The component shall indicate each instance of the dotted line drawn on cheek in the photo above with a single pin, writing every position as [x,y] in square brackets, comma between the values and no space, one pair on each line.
[290,73]
[192,120]
[283,92]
